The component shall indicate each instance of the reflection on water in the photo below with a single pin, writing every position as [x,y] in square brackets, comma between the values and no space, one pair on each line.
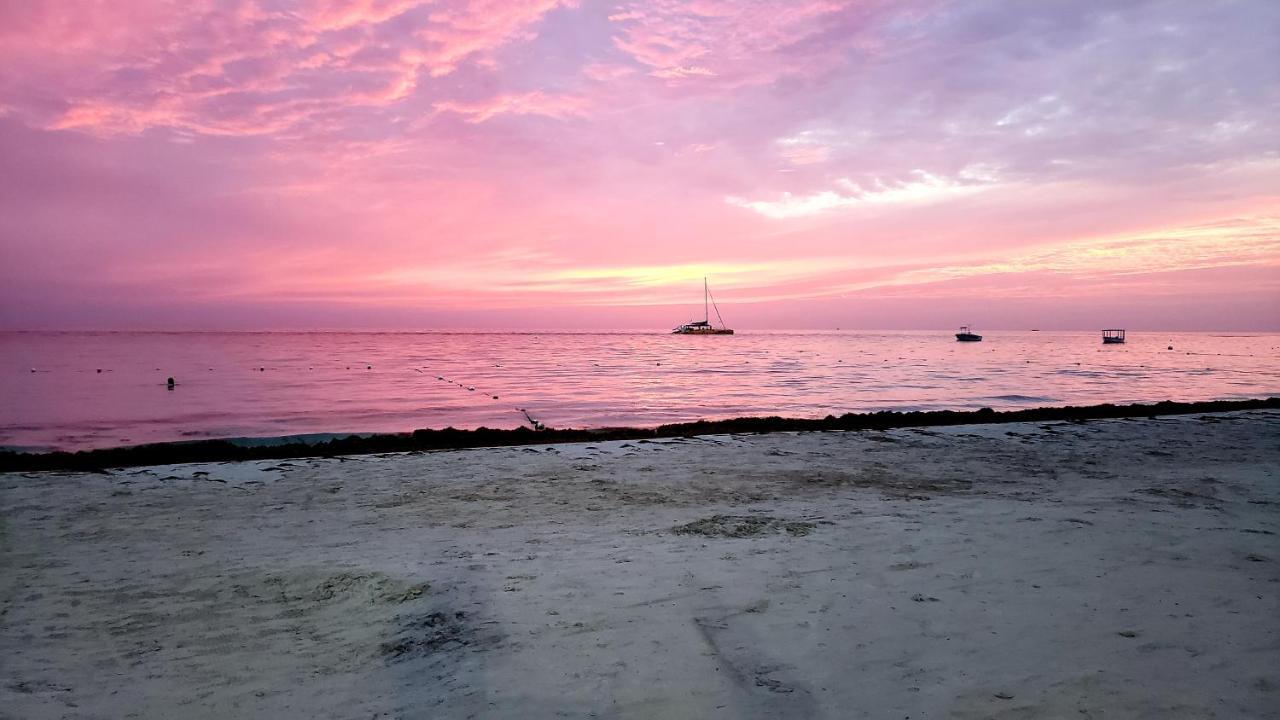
[103,389]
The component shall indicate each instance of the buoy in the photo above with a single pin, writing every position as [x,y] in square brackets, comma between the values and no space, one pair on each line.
[169,382]
[99,369]
[368,367]
[1170,347]
[33,369]
[495,397]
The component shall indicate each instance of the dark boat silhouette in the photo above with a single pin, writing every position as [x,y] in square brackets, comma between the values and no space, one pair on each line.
[966,336]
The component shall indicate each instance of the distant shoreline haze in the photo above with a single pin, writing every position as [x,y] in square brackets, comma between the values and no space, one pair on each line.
[621,330]
[1187,314]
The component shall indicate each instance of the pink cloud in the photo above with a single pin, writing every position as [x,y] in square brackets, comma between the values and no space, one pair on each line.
[248,68]
[737,41]
[460,31]
[530,103]
[607,72]
[340,14]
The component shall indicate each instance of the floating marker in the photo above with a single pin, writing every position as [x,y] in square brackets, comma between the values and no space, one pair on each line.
[169,383]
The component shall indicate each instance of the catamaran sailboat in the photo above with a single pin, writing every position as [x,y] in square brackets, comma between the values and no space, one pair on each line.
[704,326]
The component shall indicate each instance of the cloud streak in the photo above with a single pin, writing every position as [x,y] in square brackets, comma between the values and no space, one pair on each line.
[920,187]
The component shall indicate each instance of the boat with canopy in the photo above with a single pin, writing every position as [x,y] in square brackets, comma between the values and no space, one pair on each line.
[704,326]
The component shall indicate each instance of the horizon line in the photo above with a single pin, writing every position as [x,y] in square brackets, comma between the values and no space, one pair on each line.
[605,331]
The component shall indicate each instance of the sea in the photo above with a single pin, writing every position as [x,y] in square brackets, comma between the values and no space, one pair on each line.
[83,390]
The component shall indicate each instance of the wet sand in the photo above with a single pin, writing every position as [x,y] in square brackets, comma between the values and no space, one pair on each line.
[1108,568]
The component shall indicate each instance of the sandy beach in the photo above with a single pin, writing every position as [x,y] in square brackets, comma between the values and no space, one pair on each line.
[1125,568]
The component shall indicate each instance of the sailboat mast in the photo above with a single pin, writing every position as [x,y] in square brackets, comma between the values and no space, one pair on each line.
[706,316]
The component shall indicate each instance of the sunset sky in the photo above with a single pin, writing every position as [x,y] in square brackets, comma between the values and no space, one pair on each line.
[405,164]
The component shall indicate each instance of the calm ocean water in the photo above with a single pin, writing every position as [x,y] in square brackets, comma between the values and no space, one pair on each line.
[104,389]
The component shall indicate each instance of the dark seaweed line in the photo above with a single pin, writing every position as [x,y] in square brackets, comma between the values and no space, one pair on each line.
[454,439]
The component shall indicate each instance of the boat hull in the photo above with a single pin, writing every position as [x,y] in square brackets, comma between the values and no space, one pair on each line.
[702,331]
[1112,341]
[968,337]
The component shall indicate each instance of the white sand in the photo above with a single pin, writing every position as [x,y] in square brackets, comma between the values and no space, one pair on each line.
[1126,568]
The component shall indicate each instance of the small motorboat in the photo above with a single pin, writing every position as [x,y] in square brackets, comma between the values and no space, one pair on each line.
[1114,336]
[965,335]
[704,326]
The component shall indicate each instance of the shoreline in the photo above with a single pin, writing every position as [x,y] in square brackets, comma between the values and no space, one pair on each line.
[284,447]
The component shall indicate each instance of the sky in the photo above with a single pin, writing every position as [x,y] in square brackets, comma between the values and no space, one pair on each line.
[565,164]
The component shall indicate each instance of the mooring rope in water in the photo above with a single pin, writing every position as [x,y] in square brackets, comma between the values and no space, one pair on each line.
[533,422]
